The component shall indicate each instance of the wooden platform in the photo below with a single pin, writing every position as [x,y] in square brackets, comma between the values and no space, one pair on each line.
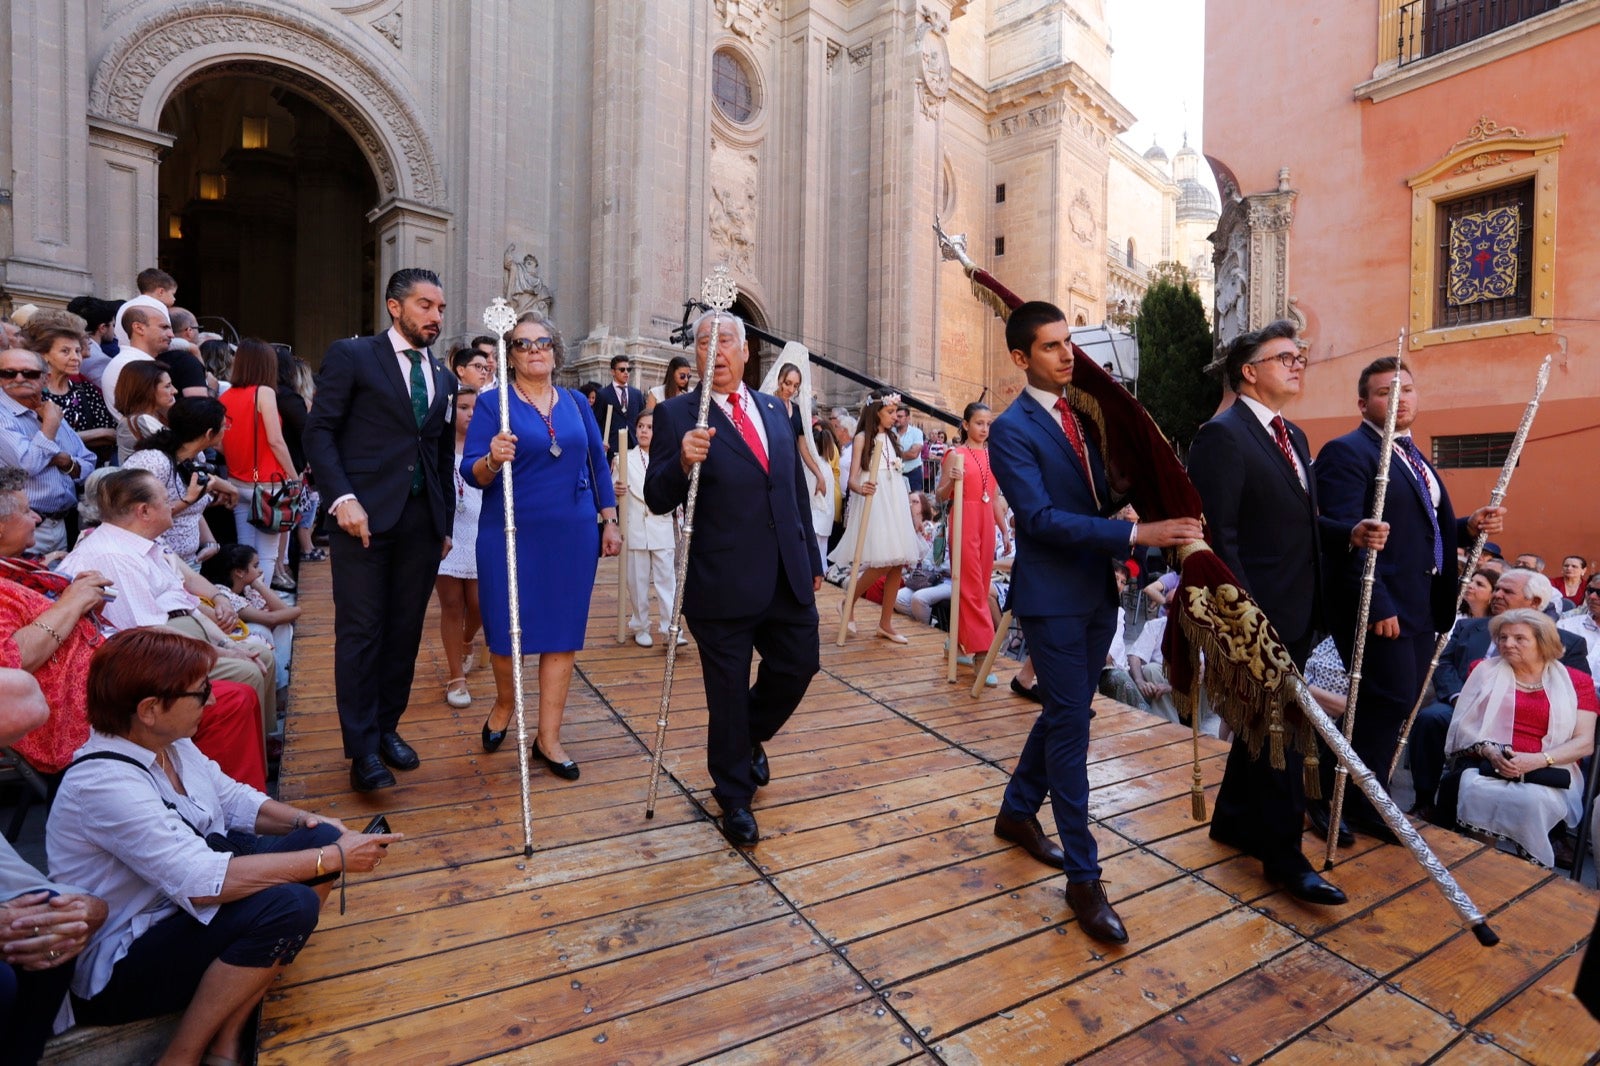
[879,920]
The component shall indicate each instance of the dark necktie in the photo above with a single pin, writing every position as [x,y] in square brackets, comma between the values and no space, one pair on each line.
[746,430]
[419,407]
[1069,426]
[1419,469]
[1280,433]
[622,398]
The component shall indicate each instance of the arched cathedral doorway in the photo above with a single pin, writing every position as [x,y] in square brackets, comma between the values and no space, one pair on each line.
[263,213]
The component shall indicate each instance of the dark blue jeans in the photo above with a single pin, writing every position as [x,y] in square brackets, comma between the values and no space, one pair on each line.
[29,1000]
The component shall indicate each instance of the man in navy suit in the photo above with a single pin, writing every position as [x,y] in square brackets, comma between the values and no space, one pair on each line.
[625,402]
[1063,593]
[753,567]
[1413,591]
[1252,468]
[381,440]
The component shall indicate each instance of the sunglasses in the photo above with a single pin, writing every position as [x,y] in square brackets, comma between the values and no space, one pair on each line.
[524,344]
[203,693]
[1593,590]
[26,375]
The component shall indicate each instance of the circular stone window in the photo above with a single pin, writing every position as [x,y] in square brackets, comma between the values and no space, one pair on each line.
[732,86]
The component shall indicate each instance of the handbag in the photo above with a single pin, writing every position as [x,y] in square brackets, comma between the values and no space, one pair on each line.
[274,504]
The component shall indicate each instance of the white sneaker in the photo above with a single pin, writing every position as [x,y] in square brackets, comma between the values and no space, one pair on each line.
[644,639]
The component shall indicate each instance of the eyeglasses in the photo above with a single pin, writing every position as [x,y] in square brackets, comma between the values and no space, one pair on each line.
[477,364]
[26,375]
[524,344]
[203,693]
[1290,360]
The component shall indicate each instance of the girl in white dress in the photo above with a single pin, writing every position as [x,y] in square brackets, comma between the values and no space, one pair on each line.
[891,541]
[457,583]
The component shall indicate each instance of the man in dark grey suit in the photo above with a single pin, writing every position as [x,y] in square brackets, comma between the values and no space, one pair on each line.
[381,441]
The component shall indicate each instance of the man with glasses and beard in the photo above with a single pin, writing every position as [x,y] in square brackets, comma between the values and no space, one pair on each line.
[381,438]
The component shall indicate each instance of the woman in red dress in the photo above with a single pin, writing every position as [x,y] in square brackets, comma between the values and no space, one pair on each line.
[983,510]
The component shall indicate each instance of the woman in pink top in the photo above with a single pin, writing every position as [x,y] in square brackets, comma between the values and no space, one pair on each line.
[253,443]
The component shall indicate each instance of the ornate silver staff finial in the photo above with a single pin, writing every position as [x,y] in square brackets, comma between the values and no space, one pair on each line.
[499,316]
[718,290]
[952,246]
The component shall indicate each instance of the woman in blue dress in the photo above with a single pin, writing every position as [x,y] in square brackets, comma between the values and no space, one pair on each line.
[560,483]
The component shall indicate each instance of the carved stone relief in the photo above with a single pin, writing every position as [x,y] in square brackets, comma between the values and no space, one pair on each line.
[734,176]
[1252,261]
[933,52]
[389,26]
[152,48]
[746,18]
[1080,217]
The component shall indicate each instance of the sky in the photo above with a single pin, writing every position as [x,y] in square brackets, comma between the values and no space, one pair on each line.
[1158,69]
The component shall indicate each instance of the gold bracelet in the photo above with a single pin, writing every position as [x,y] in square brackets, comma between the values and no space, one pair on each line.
[53,634]
[319,862]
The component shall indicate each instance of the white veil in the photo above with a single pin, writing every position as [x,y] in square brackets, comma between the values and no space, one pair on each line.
[796,353]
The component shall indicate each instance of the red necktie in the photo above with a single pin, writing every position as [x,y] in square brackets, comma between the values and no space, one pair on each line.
[746,430]
[1280,433]
[1069,425]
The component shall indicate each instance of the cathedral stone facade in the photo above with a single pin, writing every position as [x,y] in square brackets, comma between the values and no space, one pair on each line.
[595,160]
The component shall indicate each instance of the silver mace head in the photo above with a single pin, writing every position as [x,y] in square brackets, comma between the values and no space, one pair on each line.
[499,316]
[718,290]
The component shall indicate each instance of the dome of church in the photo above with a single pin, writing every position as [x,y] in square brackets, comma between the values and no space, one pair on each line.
[1195,201]
[1156,154]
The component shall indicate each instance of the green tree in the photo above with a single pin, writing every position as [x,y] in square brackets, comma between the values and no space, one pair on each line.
[1174,348]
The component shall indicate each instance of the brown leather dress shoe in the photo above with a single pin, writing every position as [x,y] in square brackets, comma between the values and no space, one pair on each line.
[1088,901]
[1029,835]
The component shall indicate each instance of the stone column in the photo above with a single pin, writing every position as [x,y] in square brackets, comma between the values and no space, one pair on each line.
[124,165]
[409,234]
[1251,254]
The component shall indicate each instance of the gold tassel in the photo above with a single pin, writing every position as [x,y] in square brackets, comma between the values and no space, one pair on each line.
[1313,773]
[1197,791]
[1275,737]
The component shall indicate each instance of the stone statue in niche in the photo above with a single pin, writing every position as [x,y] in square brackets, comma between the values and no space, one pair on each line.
[525,289]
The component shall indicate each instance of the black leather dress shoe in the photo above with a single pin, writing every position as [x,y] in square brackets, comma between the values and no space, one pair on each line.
[397,753]
[739,826]
[368,774]
[758,766]
[567,771]
[1308,887]
[1028,834]
[1025,692]
[493,738]
[1088,901]
[1319,825]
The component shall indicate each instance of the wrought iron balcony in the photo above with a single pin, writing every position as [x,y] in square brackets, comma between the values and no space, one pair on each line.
[1428,27]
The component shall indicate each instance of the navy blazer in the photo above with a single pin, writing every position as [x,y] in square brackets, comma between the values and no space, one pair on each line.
[1405,586]
[362,436]
[1259,520]
[750,526]
[1064,546]
[607,397]
[1470,642]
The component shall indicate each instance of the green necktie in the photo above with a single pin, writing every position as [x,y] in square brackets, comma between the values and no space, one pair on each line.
[419,407]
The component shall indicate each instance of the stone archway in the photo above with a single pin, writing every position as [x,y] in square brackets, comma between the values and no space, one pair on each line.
[172,49]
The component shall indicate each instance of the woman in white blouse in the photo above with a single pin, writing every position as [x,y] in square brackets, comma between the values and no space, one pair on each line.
[202,911]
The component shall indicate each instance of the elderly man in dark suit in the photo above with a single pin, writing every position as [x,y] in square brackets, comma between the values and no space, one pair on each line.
[753,568]
[624,401]
[382,442]
[1413,592]
[1253,470]
[1063,593]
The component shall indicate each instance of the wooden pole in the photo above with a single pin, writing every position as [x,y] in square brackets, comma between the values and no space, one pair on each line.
[861,543]
[986,667]
[953,550]
[620,478]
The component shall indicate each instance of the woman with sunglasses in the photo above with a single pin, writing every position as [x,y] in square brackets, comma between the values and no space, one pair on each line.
[560,484]
[203,912]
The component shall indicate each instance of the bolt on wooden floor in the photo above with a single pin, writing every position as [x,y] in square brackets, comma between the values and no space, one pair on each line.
[879,920]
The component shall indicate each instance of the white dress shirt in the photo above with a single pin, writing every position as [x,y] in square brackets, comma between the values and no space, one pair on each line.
[113,371]
[401,346]
[1148,647]
[1265,415]
[145,575]
[110,832]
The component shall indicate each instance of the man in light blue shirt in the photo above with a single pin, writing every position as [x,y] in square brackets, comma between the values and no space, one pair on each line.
[911,440]
[34,438]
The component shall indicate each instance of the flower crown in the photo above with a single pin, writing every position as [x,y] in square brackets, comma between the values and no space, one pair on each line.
[886,400]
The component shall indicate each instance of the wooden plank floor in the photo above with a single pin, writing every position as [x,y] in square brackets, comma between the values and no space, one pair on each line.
[879,921]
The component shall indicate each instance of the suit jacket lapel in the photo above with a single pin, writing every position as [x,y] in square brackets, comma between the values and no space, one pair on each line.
[1399,468]
[726,430]
[1258,433]
[1045,423]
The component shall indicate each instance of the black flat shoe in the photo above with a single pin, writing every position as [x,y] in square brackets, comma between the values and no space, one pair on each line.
[1027,693]
[493,738]
[759,769]
[567,771]
[397,753]
[1319,826]
[368,774]
[1308,887]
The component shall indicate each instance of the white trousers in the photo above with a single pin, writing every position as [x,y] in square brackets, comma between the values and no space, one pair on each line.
[647,568]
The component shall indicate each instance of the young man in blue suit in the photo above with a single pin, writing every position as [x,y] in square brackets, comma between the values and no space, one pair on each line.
[1414,589]
[382,442]
[1063,593]
[753,569]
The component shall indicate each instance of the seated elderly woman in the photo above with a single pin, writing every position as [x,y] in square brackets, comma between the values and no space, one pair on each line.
[50,626]
[1523,721]
[202,912]
[43,925]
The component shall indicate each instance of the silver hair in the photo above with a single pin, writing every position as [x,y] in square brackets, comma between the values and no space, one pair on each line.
[705,316]
[1538,587]
[12,481]
[558,353]
[1545,634]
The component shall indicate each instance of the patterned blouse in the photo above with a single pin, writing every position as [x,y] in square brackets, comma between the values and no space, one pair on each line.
[82,405]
